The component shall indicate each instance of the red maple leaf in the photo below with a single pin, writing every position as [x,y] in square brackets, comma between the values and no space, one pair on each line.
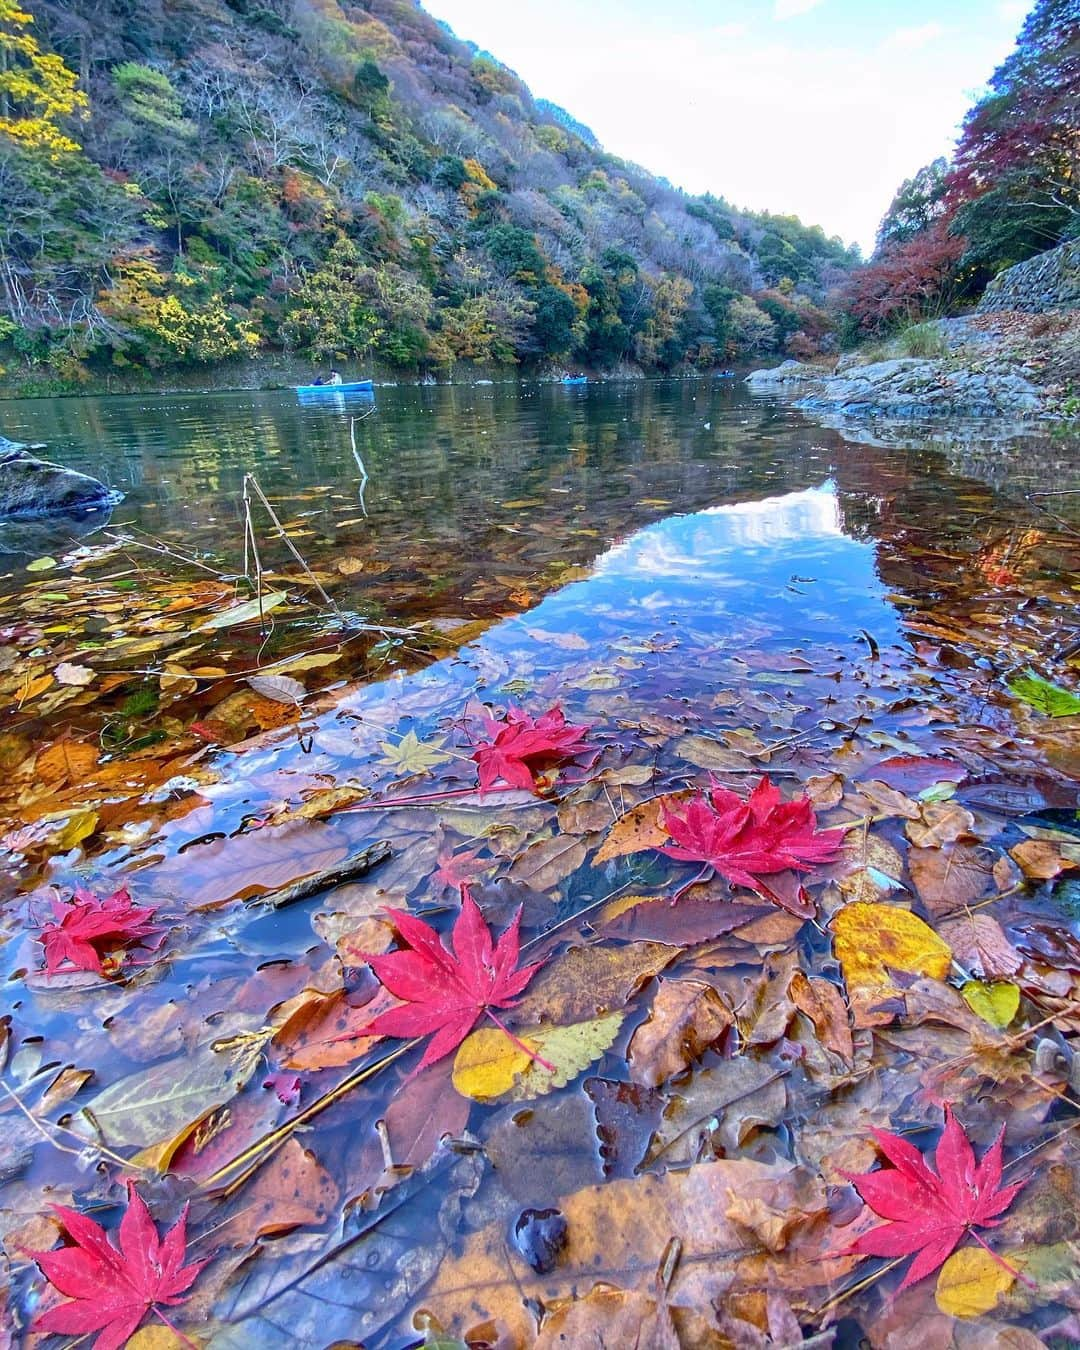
[521,745]
[744,840]
[80,932]
[457,869]
[445,990]
[928,1210]
[112,1289]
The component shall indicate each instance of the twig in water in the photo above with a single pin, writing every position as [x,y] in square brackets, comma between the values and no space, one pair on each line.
[127,541]
[356,455]
[249,478]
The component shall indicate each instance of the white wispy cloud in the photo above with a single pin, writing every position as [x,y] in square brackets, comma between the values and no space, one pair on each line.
[912,39]
[790,9]
[1013,11]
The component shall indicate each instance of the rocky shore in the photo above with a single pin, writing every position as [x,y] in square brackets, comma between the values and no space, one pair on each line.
[1016,356]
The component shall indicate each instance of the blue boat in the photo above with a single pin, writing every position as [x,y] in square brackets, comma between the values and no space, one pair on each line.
[355,387]
[575,379]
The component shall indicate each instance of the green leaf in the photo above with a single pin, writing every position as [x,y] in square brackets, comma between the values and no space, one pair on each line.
[41,564]
[413,756]
[1045,697]
[997,1003]
[154,1105]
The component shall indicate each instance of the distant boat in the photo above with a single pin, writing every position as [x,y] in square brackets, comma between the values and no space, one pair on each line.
[724,375]
[575,379]
[355,387]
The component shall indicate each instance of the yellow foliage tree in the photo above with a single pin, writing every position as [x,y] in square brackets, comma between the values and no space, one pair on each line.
[37,90]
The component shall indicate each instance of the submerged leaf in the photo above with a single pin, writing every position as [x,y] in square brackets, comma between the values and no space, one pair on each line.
[746,840]
[247,612]
[489,1065]
[112,1288]
[929,1209]
[445,989]
[971,1282]
[1042,695]
[997,1003]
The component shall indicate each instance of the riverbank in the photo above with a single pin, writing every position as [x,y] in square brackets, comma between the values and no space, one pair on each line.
[1017,356]
[1005,363]
[275,370]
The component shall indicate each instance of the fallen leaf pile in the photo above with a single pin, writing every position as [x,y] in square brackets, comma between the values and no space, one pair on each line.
[678,953]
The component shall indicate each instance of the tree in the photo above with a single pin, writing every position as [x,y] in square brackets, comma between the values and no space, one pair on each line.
[908,282]
[1023,139]
[919,201]
[327,312]
[37,90]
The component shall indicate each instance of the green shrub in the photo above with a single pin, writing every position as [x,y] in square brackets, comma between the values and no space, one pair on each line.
[922,339]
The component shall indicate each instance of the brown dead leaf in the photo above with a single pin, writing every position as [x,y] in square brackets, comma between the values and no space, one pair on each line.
[1040,860]
[940,823]
[248,864]
[547,862]
[822,1003]
[950,878]
[620,1317]
[640,828]
[981,947]
[65,762]
[617,1234]
[292,1190]
[319,1031]
[687,1017]
[587,981]
[887,801]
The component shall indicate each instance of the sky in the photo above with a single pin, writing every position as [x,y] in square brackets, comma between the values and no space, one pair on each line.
[817,108]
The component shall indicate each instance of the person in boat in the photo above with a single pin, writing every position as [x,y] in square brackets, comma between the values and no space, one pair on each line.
[326,380]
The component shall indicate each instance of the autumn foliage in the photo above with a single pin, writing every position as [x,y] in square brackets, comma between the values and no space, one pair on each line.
[929,1208]
[520,747]
[744,841]
[444,990]
[111,1289]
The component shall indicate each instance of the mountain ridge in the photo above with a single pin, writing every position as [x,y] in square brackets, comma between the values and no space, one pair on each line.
[351,181]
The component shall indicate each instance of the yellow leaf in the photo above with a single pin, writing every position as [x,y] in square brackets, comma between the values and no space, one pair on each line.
[873,939]
[488,1064]
[34,685]
[154,1336]
[75,829]
[970,1283]
[995,1003]
[41,565]
[411,755]
[247,612]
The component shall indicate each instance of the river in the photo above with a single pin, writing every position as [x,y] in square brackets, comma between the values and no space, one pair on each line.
[716,587]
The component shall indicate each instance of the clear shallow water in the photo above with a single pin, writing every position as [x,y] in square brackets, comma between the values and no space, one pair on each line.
[714,585]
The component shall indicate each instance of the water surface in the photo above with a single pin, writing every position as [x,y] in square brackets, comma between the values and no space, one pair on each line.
[715,587]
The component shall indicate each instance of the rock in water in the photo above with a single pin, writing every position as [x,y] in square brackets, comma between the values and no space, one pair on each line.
[33,487]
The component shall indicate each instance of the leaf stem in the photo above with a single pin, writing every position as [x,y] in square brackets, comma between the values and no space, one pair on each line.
[174,1329]
[520,1044]
[1002,1262]
[423,800]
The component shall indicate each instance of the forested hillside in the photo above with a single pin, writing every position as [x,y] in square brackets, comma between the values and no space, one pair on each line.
[1010,190]
[186,181]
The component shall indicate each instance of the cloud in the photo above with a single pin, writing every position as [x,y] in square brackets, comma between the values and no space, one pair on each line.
[912,39]
[790,9]
[1013,11]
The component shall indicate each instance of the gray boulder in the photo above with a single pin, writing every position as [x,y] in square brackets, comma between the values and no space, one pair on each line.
[787,373]
[33,487]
